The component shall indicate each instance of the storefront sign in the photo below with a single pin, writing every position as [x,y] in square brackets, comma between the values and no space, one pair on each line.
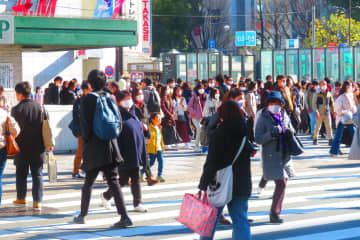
[142,67]
[136,76]
[6,75]
[146,26]
[108,8]
[44,8]
[6,29]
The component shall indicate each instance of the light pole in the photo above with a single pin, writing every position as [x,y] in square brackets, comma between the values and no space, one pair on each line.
[349,23]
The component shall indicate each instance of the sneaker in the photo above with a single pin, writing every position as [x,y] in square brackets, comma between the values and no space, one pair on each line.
[198,149]
[161,179]
[330,142]
[188,146]
[140,208]
[260,190]
[152,181]
[142,177]
[79,220]
[315,142]
[106,204]
[123,223]
[274,218]
[37,206]
[19,202]
[77,176]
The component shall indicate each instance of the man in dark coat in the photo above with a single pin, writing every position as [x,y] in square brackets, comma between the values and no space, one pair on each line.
[28,114]
[52,94]
[99,155]
[68,96]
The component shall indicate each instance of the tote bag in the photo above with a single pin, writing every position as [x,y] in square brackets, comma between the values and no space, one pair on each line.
[197,214]
[47,131]
[220,190]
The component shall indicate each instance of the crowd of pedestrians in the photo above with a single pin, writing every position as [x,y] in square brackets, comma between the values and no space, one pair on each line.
[150,118]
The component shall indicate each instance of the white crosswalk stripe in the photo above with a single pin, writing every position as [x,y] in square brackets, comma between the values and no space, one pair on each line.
[325,197]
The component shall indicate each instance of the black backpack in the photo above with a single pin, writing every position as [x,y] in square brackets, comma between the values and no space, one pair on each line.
[153,104]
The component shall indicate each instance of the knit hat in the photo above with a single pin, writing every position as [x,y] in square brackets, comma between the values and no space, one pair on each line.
[275,95]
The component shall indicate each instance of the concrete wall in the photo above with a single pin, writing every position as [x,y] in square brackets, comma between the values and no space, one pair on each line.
[60,118]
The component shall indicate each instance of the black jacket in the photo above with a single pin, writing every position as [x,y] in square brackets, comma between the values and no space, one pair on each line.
[53,94]
[28,115]
[223,147]
[67,97]
[96,153]
[75,128]
[131,140]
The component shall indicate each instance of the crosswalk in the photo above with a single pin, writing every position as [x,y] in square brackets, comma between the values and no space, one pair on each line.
[319,204]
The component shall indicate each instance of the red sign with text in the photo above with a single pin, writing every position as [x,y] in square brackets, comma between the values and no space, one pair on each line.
[45,8]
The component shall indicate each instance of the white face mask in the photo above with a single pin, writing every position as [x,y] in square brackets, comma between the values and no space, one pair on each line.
[317,88]
[274,109]
[167,92]
[211,85]
[350,90]
[217,96]
[201,91]
[179,93]
[231,83]
[173,85]
[243,89]
[128,103]
[324,88]
[140,98]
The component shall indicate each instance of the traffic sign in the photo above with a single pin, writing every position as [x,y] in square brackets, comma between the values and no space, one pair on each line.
[211,44]
[109,71]
[246,38]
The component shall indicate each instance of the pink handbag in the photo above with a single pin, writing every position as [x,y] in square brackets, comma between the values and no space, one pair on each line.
[197,214]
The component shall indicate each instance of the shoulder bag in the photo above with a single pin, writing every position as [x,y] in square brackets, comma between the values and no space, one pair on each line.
[12,147]
[46,130]
[220,190]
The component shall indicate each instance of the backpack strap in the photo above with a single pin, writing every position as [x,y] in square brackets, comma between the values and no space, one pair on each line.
[240,149]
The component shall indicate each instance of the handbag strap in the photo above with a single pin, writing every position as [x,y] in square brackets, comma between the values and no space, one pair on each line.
[240,149]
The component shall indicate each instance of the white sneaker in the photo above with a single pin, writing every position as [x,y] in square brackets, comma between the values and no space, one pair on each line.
[198,149]
[140,208]
[188,146]
[260,191]
[106,204]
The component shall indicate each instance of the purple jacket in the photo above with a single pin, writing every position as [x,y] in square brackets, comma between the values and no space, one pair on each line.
[195,107]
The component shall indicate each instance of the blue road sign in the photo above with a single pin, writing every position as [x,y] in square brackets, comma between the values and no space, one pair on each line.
[247,38]
[211,44]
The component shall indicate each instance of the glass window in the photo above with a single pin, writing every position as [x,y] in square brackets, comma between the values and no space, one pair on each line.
[266,64]
[226,69]
[279,62]
[305,64]
[319,63]
[249,67]
[181,66]
[292,63]
[346,64]
[357,52]
[214,64]
[203,66]
[191,67]
[332,64]
[236,68]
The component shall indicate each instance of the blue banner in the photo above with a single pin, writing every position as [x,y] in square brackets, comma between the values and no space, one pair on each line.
[104,9]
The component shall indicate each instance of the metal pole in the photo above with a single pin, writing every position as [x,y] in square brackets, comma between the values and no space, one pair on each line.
[349,23]
[313,25]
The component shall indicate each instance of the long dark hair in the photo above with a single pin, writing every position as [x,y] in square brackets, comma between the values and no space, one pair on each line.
[230,110]
[232,94]
[174,93]
[163,93]
[345,84]
[196,91]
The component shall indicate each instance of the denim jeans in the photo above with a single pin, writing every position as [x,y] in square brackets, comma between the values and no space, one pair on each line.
[312,122]
[3,155]
[160,159]
[238,208]
[335,147]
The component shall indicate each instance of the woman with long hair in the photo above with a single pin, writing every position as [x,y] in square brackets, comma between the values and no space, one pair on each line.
[168,121]
[345,107]
[180,107]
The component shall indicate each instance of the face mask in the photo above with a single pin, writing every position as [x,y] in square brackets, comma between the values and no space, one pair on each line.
[167,92]
[201,91]
[128,103]
[243,89]
[140,98]
[138,80]
[231,82]
[274,109]
[173,85]
[317,88]
[350,89]
[211,85]
[324,88]
[241,103]
[217,96]
[179,93]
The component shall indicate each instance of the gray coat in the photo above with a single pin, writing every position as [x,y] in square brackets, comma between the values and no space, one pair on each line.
[273,161]
[355,147]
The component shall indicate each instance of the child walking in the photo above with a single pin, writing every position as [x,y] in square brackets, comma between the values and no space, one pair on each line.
[155,145]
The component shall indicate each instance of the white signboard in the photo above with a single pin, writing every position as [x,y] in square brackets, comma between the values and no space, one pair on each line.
[6,29]
[6,75]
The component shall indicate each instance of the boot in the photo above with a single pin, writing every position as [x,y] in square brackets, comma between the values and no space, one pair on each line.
[152,181]
[274,218]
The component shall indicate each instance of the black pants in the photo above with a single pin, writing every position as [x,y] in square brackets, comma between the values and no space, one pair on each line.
[124,176]
[22,171]
[111,174]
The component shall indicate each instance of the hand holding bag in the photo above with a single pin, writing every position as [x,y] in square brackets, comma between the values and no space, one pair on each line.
[220,190]
[197,214]
[12,147]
